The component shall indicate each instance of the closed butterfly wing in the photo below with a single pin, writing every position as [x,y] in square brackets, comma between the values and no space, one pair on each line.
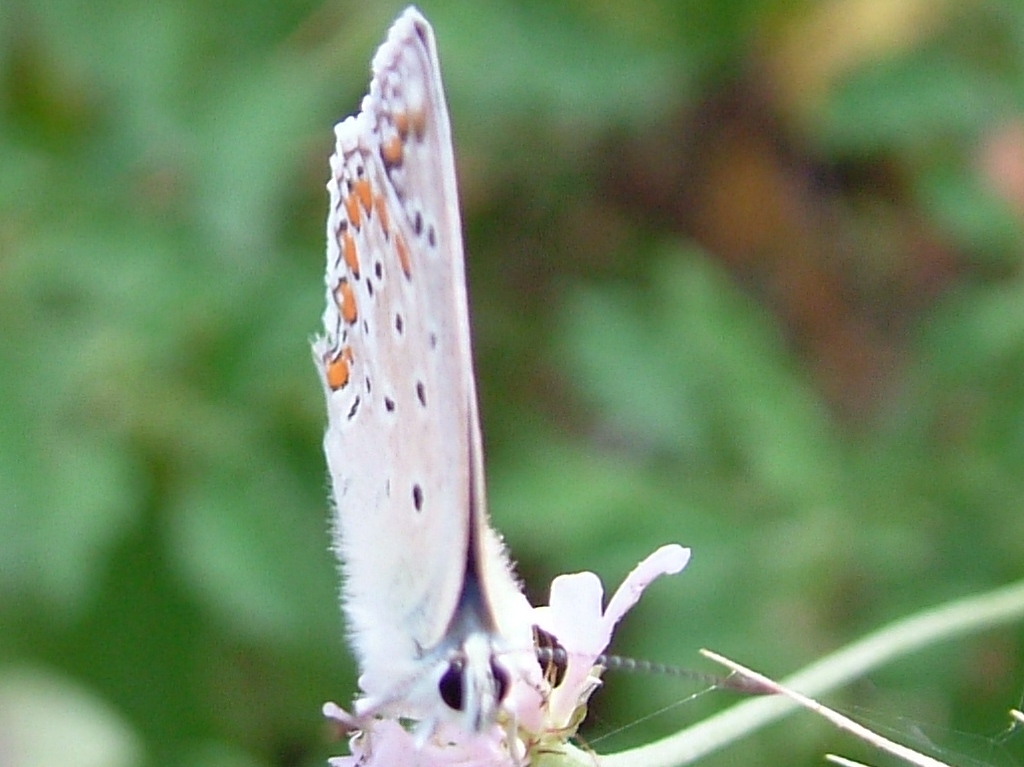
[422,570]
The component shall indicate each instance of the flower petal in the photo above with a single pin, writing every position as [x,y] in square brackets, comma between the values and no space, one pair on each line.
[576,618]
[668,560]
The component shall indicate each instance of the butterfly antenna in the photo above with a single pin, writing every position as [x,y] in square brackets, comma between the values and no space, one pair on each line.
[557,657]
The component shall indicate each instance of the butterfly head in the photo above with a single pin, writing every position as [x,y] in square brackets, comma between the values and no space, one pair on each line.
[474,683]
[466,681]
[473,677]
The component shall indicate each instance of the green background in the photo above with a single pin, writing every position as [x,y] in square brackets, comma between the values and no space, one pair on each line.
[745,276]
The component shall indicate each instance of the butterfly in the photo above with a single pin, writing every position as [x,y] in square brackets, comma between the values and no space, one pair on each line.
[441,629]
[433,608]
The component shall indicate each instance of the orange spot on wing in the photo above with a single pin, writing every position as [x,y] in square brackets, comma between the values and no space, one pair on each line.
[402,124]
[391,151]
[355,216]
[403,255]
[380,205]
[348,251]
[339,369]
[361,189]
[346,301]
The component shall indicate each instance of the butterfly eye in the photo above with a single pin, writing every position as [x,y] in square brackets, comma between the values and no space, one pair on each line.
[551,655]
[450,685]
[501,680]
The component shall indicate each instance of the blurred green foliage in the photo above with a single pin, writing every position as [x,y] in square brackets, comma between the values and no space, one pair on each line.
[745,276]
